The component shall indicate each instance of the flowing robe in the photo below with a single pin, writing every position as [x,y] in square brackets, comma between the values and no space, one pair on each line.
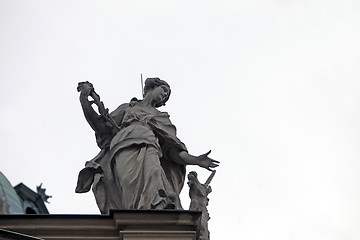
[134,164]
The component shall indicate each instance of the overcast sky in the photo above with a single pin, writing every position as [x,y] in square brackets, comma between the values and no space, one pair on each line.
[271,87]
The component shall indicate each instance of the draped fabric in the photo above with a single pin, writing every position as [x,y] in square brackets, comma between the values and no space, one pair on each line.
[97,173]
[129,173]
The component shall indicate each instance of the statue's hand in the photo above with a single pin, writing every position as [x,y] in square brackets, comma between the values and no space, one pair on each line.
[85,88]
[206,162]
[203,161]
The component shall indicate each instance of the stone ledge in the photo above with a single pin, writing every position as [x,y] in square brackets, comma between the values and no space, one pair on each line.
[119,224]
[158,235]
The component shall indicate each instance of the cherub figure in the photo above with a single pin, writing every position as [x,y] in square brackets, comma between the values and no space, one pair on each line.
[199,200]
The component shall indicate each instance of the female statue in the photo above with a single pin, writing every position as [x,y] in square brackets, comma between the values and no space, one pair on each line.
[141,164]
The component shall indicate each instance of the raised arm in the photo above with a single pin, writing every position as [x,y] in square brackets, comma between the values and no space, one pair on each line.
[96,121]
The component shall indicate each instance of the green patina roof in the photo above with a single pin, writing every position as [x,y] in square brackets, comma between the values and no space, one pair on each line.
[11,197]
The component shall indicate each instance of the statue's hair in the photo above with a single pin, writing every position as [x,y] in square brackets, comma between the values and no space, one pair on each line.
[193,173]
[151,83]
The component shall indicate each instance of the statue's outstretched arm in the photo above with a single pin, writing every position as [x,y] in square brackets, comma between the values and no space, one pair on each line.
[183,157]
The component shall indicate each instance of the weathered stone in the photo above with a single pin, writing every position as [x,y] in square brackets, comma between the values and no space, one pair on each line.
[199,201]
[118,225]
[142,163]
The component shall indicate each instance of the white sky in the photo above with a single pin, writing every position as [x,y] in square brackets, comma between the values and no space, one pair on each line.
[271,87]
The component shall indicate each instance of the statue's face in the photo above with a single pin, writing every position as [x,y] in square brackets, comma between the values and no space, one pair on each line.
[159,94]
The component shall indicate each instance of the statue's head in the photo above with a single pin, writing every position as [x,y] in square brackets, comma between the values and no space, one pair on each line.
[153,83]
[192,175]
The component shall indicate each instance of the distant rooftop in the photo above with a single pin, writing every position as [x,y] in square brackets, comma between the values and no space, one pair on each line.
[20,199]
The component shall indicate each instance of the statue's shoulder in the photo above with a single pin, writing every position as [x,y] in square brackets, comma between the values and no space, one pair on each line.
[164,114]
[119,112]
[122,107]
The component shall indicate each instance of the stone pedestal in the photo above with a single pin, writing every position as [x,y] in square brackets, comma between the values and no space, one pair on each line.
[118,225]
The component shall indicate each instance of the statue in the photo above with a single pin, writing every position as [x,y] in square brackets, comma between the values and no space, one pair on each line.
[142,163]
[41,192]
[199,200]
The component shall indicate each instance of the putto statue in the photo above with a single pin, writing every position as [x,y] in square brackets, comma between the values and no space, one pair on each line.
[198,193]
[142,163]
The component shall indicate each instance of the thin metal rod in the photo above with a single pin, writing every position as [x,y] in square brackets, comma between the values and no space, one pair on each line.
[142,86]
